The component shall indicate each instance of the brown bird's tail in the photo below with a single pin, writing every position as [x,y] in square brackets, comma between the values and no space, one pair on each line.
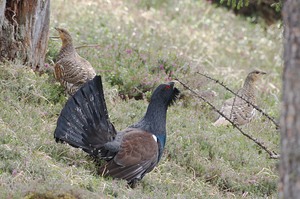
[221,122]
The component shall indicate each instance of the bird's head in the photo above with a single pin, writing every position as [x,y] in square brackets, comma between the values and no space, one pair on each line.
[165,93]
[64,35]
[255,75]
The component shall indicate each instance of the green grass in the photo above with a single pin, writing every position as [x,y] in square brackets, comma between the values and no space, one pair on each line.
[140,44]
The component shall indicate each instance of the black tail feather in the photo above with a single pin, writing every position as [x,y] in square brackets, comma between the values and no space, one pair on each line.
[84,121]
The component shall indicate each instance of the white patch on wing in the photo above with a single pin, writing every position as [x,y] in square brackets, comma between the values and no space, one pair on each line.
[154,137]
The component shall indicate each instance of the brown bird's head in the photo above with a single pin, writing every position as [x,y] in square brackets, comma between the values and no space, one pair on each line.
[64,36]
[254,76]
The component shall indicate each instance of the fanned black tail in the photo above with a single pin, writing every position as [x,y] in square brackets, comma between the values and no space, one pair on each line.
[84,122]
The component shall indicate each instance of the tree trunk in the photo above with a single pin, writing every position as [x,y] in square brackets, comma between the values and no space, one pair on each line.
[289,186]
[24,31]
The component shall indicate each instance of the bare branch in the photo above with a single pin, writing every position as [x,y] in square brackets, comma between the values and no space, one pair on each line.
[273,155]
[54,37]
[254,106]
[88,46]
[77,47]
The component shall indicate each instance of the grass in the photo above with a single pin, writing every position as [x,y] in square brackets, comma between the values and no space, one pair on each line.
[141,44]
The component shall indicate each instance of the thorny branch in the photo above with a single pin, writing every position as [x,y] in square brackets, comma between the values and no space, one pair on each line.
[254,106]
[77,47]
[273,155]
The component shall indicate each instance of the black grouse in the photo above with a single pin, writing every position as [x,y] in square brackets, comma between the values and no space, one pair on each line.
[130,153]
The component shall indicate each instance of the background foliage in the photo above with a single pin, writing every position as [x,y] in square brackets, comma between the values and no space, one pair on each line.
[268,11]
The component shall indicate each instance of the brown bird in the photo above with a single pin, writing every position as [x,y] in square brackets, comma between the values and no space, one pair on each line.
[237,109]
[71,70]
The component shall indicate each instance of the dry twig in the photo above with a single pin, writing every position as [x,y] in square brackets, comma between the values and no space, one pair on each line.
[88,46]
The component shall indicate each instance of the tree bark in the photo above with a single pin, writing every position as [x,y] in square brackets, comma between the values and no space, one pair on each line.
[289,185]
[24,31]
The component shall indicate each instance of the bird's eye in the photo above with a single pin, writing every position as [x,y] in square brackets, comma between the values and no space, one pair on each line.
[167,87]
[257,72]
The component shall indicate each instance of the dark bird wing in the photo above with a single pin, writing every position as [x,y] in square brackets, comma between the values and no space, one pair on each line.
[84,121]
[137,156]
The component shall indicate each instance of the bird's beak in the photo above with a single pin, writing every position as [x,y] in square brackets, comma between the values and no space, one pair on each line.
[171,84]
[263,73]
[56,28]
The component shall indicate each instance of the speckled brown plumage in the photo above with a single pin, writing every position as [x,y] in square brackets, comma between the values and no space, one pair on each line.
[71,70]
[237,109]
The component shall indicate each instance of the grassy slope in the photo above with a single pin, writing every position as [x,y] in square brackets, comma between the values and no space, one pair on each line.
[200,161]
